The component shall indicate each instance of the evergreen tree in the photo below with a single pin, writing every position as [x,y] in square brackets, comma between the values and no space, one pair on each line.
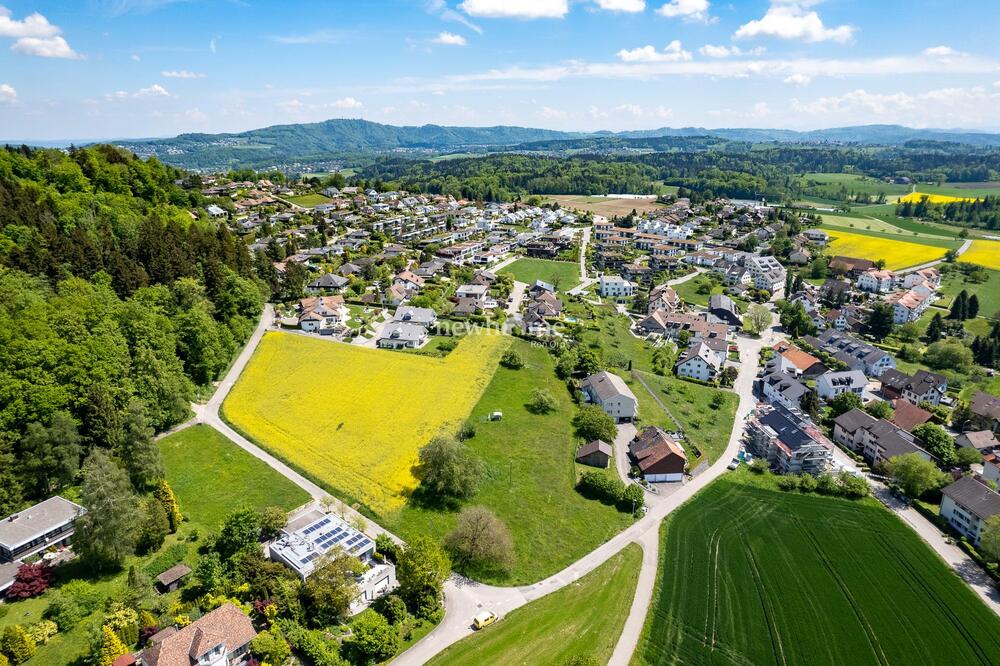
[17,644]
[879,323]
[973,307]
[165,495]
[111,647]
[960,306]
[138,450]
[935,328]
[105,535]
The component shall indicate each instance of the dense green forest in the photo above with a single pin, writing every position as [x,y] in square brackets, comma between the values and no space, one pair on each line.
[115,305]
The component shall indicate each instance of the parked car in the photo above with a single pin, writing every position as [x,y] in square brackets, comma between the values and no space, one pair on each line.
[484,619]
[733,464]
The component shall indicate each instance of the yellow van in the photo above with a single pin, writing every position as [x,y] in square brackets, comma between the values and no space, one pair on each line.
[484,619]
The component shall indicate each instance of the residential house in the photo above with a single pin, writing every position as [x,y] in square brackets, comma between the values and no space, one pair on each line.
[597,453]
[616,288]
[984,441]
[423,316]
[327,282]
[876,281]
[395,295]
[857,355]
[663,297]
[876,440]
[612,394]
[966,504]
[985,410]
[724,308]
[801,362]
[783,389]
[788,440]
[402,335]
[817,236]
[768,273]
[835,291]
[322,313]
[831,384]
[48,524]
[907,415]
[931,276]
[923,386]
[659,457]
[851,265]
[409,280]
[698,362]
[215,212]
[219,638]
[907,306]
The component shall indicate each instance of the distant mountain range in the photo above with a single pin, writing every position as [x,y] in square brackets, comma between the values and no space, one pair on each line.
[336,139]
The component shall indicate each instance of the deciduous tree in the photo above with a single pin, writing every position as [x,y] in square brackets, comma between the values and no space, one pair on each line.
[105,534]
[482,539]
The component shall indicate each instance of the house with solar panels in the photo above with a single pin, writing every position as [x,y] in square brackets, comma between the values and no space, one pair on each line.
[310,535]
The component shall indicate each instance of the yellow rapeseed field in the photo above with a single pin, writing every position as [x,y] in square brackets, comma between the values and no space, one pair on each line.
[984,253]
[354,417]
[915,197]
[897,253]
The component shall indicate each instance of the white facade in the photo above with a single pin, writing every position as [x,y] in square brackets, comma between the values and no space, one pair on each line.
[614,286]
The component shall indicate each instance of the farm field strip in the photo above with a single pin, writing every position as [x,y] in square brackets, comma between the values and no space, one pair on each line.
[896,253]
[754,575]
[916,197]
[354,418]
[985,253]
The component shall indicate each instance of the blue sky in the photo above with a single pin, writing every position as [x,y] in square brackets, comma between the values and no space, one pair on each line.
[90,69]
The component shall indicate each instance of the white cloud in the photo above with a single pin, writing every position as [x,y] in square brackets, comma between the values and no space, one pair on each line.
[759,110]
[450,39]
[135,57]
[596,113]
[181,74]
[673,52]
[692,11]
[549,113]
[155,90]
[941,52]
[292,106]
[627,6]
[639,111]
[729,51]
[35,36]
[7,93]
[211,45]
[791,20]
[347,103]
[798,79]
[521,9]
[196,114]
[441,8]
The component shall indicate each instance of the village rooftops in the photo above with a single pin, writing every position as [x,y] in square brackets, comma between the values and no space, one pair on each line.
[226,626]
[34,523]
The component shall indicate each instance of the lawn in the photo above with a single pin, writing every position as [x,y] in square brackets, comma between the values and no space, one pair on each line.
[211,476]
[987,292]
[691,291]
[585,618]
[752,575]
[706,427]
[984,253]
[308,200]
[896,253]
[353,418]
[530,477]
[606,331]
[564,275]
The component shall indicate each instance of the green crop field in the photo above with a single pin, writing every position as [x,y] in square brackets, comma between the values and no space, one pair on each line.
[211,476]
[752,575]
[308,200]
[831,185]
[564,275]
[584,618]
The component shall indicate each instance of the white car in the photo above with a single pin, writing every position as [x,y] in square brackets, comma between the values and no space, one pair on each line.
[733,464]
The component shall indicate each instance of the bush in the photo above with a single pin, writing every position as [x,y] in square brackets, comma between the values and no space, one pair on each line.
[542,401]
[633,499]
[386,546]
[602,487]
[758,466]
[467,431]
[788,483]
[31,580]
[168,558]
[271,647]
[71,603]
[512,360]
[311,644]
[808,483]
[42,631]
[17,644]
[373,637]
[392,608]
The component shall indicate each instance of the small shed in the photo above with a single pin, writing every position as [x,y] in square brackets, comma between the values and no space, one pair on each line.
[596,453]
[170,580]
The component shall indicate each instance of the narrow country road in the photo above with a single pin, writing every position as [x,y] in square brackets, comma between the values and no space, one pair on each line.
[930,264]
[465,598]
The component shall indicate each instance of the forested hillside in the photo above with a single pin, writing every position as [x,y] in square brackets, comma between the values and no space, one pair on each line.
[114,306]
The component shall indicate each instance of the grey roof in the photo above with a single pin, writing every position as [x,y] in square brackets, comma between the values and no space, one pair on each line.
[24,526]
[605,385]
[328,281]
[173,574]
[793,431]
[722,302]
[415,315]
[984,404]
[893,440]
[854,419]
[788,386]
[401,330]
[974,496]
[845,378]
[593,447]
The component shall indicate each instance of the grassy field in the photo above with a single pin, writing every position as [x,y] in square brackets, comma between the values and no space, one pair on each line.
[530,477]
[962,189]
[565,273]
[750,575]
[704,426]
[903,228]
[828,185]
[603,205]
[211,476]
[988,292]
[688,291]
[308,200]
[897,253]
[585,618]
[353,418]
[984,253]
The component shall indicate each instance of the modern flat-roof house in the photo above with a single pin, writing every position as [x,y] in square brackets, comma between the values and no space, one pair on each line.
[309,536]
[789,441]
[48,523]
[612,394]
[966,504]
[659,457]
[218,638]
